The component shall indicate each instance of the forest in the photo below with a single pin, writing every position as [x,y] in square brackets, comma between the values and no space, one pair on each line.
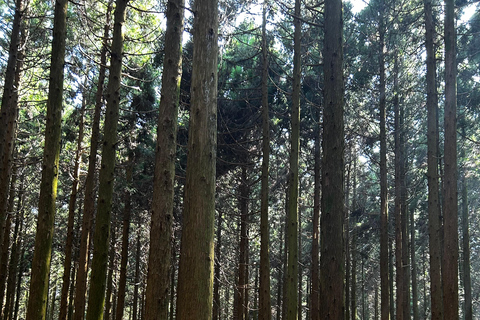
[232,159]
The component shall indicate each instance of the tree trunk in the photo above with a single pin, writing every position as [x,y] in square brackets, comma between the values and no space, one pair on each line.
[434,216]
[137,277]
[467,282]
[96,299]
[291,283]
[265,312]
[353,300]
[280,276]
[163,189]
[384,275]
[67,263]
[413,262]
[346,233]
[450,256]
[332,259]
[216,284]
[90,194]
[111,266]
[314,294]
[195,275]
[9,110]
[127,212]
[48,188]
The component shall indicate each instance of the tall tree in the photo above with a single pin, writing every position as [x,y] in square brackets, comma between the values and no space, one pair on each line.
[90,180]
[332,260]
[434,216]
[96,298]
[384,274]
[195,274]
[291,292]
[314,291]
[264,294]
[156,304]
[450,254]
[50,165]
[8,112]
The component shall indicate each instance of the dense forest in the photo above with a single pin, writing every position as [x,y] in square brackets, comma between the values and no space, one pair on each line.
[230,159]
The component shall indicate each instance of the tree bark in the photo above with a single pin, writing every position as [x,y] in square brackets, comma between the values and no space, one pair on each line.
[9,111]
[159,263]
[314,294]
[265,312]
[48,187]
[450,256]
[127,212]
[291,283]
[195,275]
[96,299]
[137,279]
[67,263]
[90,181]
[413,262]
[467,282]
[434,216]
[216,284]
[332,259]
[109,311]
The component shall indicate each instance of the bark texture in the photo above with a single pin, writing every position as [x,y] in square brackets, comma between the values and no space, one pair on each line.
[195,275]
[48,187]
[159,264]
[332,260]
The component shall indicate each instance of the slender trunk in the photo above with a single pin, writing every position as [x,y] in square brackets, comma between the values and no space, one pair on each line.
[9,111]
[195,275]
[434,215]
[404,215]
[163,190]
[216,284]
[127,212]
[264,290]
[353,300]
[300,263]
[96,298]
[315,297]
[280,276]
[291,297]
[347,239]
[111,266]
[467,282]
[172,283]
[21,270]
[137,278]
[413,262]
[67,264]
[384,275]
[48,187]
[450,256]
[90,194]
[332,259]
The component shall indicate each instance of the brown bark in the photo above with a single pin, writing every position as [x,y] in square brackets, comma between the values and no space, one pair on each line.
[384,274]
[332,259]
[216,284]
[9,111]
[450,256]
[90,181]
[137,278]
[109,311]
[163,189]
[291,283]
[96,298]
[127,212]
[314,295]
[264,312]
[467,282]
[434,215]
[195,275]
[67,263]
[48,187]
[413,262]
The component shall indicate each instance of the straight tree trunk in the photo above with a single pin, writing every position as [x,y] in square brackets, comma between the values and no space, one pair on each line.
[300,264]
[280,276]
[265,312]
[9,112]
[467,282]
[96,299]
[90,181]
[314,294]
[346,232]
[137,278]
[434,215]
[48,187]
[109,311]
[384,275]
[332,259]
[216,284]
[450,256]
[353,300]
[161,229]
[291,283]
[67,262]
[413,262]
[127,212]
[195,275]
